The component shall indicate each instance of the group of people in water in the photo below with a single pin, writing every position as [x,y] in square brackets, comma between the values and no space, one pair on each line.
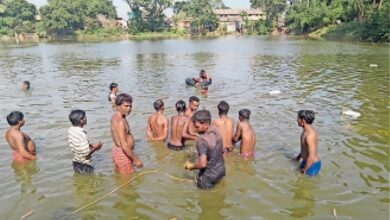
[215,139]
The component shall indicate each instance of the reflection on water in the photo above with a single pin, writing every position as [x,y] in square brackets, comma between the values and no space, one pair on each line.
[324,76]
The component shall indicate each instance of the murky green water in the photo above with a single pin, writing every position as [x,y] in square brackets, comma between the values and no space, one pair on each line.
[319,75]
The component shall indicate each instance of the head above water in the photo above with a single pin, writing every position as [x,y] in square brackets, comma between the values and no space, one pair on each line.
[306,115]
[14,118]
[123,97]
[124,104]
[180,106]
[202,74]
[158,105]
[202,116]
[223,108]
[201,120]
[244,114]
[26,85]
[113,86]
[76,117]
[193,103]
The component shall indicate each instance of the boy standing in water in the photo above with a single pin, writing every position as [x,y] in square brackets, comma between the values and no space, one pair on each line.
[112,95]
[311,163]
[246,134]
[188,131]
[210,163]
[226,126]
[78,140]
[23,148]
[177,140]
[123,154]
[157,127]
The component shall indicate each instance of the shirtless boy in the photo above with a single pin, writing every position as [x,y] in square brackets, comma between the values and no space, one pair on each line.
[122,152]
[226,126]
[21,144]
[176,141]
[112,95]
[157,127]
[189,130]
[311,163]
[246,134]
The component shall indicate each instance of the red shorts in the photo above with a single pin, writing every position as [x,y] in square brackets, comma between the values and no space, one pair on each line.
[122,163]
[17,156]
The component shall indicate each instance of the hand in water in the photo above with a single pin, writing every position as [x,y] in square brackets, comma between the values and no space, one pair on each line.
[188,165]
[138,163]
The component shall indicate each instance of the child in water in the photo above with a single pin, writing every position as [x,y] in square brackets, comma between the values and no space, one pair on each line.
[78,140]
[311,163]
[112,95]
[246,134]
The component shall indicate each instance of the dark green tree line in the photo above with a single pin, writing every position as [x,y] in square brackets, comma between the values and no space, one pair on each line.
[16,17]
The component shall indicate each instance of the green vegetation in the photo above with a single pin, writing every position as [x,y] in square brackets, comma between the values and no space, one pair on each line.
[16,17]
[64,17]
[200,12]
[366,20]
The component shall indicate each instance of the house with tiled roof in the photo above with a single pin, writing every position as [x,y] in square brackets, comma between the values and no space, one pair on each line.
[233,19]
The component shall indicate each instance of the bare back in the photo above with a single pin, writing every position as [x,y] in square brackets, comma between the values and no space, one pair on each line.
[226,128]
[177,127]
[248,138]
[157,128]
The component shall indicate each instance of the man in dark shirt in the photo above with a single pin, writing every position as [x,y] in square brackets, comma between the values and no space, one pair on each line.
[209,145]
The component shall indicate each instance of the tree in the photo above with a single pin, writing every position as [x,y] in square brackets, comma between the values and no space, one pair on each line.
[16,17]
[64,17]
[147,15]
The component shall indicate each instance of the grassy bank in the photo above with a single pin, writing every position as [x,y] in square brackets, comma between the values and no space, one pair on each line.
[352,31]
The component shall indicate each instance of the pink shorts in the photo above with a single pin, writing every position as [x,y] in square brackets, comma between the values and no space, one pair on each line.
[122,163]
[247,155]
[17,156]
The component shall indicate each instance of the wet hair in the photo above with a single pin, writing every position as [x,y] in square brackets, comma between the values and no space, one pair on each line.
[158,104]
[223,108]
[27,83]
[14,117]
[76,116]
[244,114]
[307,115]
[113,86]
[123,97]
[202,74]
[180,106]
[202,116]
[193,99]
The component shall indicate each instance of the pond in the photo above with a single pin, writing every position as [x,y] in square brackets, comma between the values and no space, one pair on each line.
[327,77]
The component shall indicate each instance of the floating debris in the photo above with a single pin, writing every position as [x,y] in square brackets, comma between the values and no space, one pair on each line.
[350,113]
[373,65]
[274,92]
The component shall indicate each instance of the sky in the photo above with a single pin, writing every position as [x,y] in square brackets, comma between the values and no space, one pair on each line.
[122,8]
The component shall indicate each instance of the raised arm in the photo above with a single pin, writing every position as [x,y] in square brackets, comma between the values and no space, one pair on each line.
[22,148]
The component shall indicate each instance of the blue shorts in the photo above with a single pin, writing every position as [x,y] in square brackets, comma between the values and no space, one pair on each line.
[313,170]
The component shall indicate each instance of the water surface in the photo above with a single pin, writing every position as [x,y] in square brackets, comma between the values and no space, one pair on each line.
[319,75]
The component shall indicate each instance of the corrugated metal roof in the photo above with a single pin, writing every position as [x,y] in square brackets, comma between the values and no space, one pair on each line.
[251,11]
